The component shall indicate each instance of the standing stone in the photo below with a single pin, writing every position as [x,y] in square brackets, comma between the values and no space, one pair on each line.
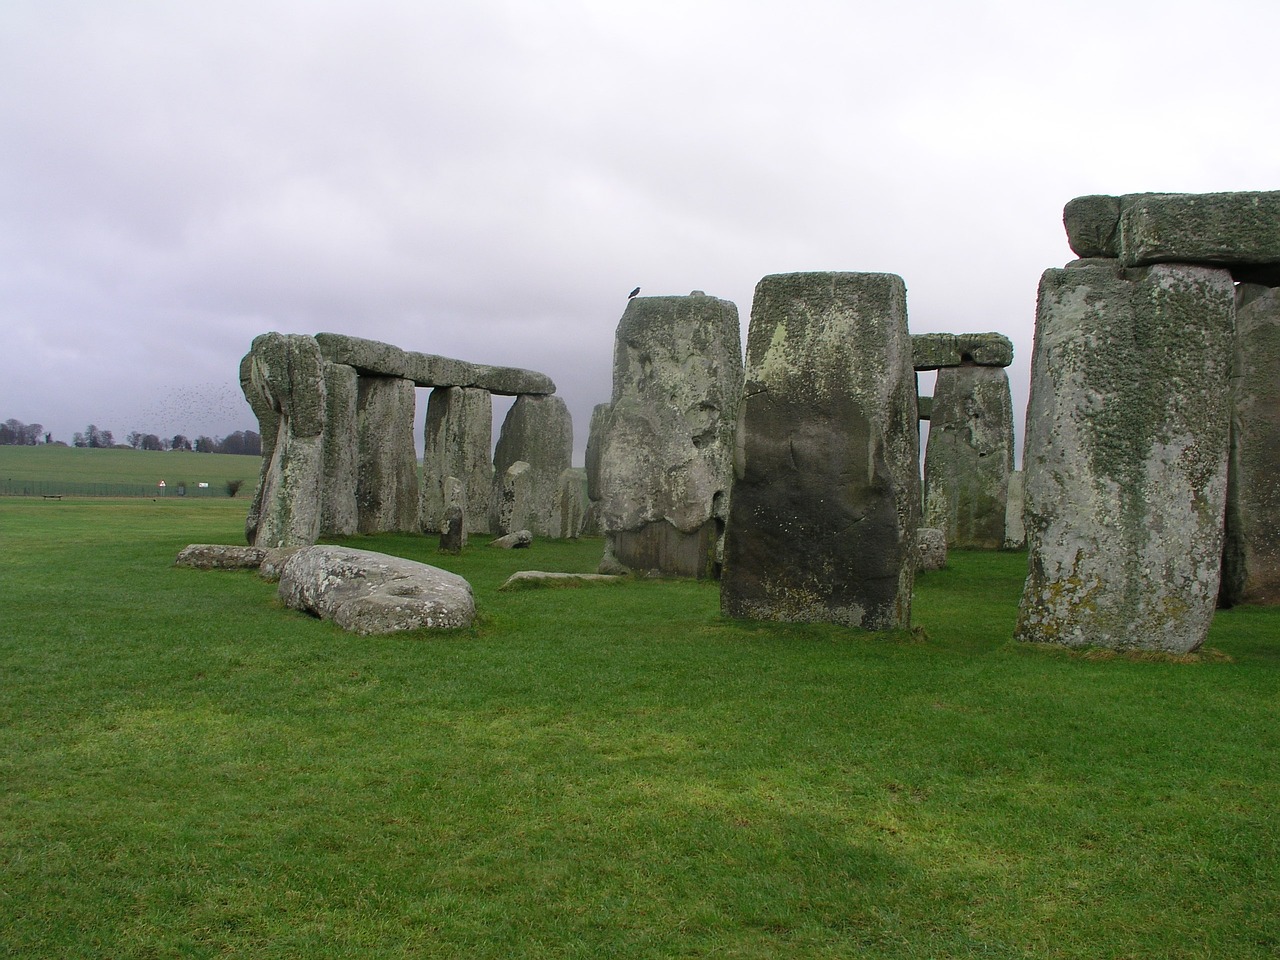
[826,499]
[539,431]
[1251,555]
[931,549]
[1126,455]
[595,440]
[387,481]
[513,504]
[268,427]
[339,515]
[451,535]
[1015,532]
[457,440]
[664,456]
[286,378]
[969,456]
[573,503]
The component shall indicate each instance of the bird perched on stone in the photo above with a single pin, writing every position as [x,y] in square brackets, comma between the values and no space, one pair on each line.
[633,294]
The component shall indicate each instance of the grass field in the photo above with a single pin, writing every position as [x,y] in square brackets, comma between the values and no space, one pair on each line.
[76,467]
[191,770]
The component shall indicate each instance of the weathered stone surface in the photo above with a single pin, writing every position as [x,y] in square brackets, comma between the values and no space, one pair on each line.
[268,428]
[924,407]
[428,370]
[826,499]
[1126,453]
[539,432]
[665,443]
[1015,532]
[931,548]
[285,378]
[372,593]
[540,579]
[272,565]
[573,503]
[1236,231]
[595,440]
[512,498]
[458,438]
[1093,226]
[1251,554]
[339,515]
[513,541]
[451,533]
[933,351]
[969,457]
[387,479]
[219,556]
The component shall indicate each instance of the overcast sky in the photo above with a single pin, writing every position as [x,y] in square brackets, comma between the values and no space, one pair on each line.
[487,180]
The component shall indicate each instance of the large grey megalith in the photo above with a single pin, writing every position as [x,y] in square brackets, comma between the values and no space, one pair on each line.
[826,499]
[660,454]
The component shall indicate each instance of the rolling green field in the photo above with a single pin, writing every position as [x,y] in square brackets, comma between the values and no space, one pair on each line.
[53,469]
[191,770]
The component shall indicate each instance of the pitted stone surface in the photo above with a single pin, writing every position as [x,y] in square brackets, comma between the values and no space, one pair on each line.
[969,456]
[663,456]
[387,496]
[372,593]
[339,515]
[933,351]
[1251,554]
[539,432]
[1236,231]
[458,438]
[516,540]
[931,548]
[284,376]
[219,556]
[428,370]
[1126,454]
[826,499]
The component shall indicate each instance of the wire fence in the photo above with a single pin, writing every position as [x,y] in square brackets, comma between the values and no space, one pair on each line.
[59,488]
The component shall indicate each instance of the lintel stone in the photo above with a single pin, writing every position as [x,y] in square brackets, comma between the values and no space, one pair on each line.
[932,351]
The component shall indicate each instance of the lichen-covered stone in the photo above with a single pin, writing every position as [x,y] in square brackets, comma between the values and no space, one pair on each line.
[387,480]
[285,376]
[219,556]
[1015,532]
[372,593]
[1126,454]
[595,439]
[1251,554]
[1236,231]
[933,351]
[663,453]
[516,540]
[339,515]
[573,503]
[374,358]
[931,548]
[542,579]
[826,499]
[969,456]
[538,431]
[458,437]
[513,498]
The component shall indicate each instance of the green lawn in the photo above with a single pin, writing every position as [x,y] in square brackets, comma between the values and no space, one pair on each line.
[191,770]
[78,466]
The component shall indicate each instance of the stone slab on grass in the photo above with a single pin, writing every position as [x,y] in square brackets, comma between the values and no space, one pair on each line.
[541,580]
[371,593]
[220,556]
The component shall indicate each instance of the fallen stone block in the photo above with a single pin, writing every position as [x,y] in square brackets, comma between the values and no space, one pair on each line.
[372,593]
[218,556]
[513,541]
[541,580]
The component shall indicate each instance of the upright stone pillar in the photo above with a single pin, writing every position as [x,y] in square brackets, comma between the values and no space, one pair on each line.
[969,456]
[1251,555]
[285,382]
[338,513]
[1126,455]
[663,466]
[826,499]
[458,437]
[387,482]
[539,431]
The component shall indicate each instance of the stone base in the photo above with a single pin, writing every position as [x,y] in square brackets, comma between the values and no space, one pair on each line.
[660,547]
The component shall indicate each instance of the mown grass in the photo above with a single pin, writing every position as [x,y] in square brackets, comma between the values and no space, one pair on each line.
[146,467]
[191,770]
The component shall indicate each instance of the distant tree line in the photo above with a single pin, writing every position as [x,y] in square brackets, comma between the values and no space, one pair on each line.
[17,433]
